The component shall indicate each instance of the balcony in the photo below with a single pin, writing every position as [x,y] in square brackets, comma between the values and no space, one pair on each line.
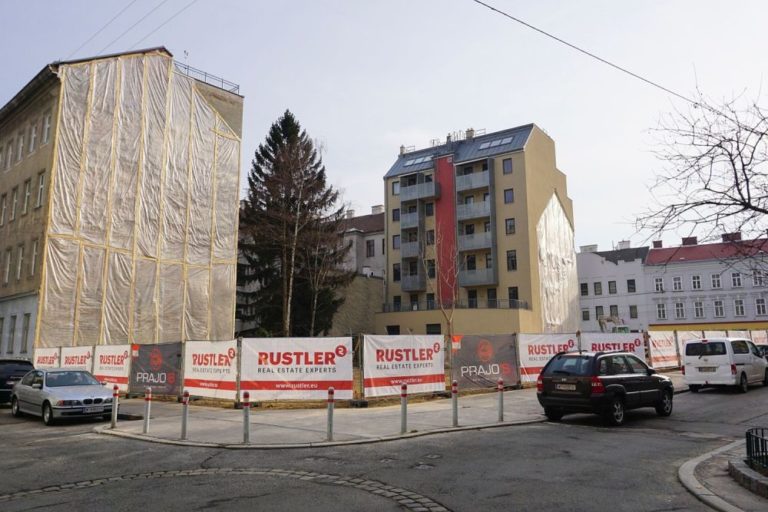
[431,305]
[413,282]
[409,249]
[473,181]
[475,241]
[477,277]
[419,191]
[409,220]
[473,210]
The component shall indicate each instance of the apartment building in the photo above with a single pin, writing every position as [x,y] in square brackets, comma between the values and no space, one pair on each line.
[365,236]
[479,225]
[119,189]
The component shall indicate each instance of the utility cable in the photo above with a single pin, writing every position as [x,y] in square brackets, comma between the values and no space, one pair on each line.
[164,23]
[101,29]
[132,26]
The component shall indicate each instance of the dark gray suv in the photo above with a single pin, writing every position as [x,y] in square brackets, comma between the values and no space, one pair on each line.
[11,372]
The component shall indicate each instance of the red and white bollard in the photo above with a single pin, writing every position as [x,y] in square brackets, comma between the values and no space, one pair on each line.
[500,389]
[330,413]
[115,398]
[403,408]
[455,400]
[246,417]
[184,414]
[147,408]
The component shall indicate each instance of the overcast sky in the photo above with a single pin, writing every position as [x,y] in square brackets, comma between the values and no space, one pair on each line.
[364,77]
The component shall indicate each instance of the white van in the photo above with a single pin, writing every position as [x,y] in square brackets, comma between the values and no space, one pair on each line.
[723,362]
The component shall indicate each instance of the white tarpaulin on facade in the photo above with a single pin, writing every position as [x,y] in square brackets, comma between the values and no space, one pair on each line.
[210,368]
[77,358]
[663,349]
[47,357]
[537,349]
[607,341]
[391,361]
[111,364]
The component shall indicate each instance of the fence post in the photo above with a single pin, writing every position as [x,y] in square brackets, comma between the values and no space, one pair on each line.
[403,408]
[115,398]
[239,349]
[330,413]
[147,408]
[500,389]
[455,402]
[184,414]
[246,418]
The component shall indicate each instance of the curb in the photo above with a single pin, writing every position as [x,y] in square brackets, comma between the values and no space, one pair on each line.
[106,430]
[748,477]
[690,482]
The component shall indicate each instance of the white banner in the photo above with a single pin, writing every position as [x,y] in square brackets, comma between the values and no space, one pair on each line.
[608,341]
[537,349]
[663,349]
[759,337]
[77,358]
[391,361]
[210,368]
[296,368]
[47,357]
[112,364]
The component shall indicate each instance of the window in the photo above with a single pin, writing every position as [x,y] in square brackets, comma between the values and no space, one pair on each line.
[738,307]
[2,330]
[759,278]
[396,303]
[698,309]
[2,156]
[487,226]
[430,301]
[7,267]
[661,311]
[506,165]
[19,260]
[469,229]
[393,330]
[434,329]
[429,209]
[431,268]
[486,196]
[677,283]
[512,294]
[414,298]
[396,215]
[631,288]
[715,280]
[8,155]
[3,208]
[696,282]
[490,294]
[40,189]
[472,298]
[467,170]
[719,309]
[598,288]
[469,200]
[33,260]
[659,284]
[27,194]
[489,260]
[599,312]
[512,260]
[760,306]
[632,311]
[14,201]
[46,127]
[11,334]
[383,246]
[509,195]
[395,188]
[20,147]
[736,279]
[470,262]
[395,272]
[612,287]
[430,237]
[614,310]
[25,333]
[510,226]
[396,242]
[679,310]
[33,137]
[636,365]
[370,248]
[739,346]
[584,289]
[585,315]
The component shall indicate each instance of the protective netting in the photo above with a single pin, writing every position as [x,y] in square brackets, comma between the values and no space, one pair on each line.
[144,198]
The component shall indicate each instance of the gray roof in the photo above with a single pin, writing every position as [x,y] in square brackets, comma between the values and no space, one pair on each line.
[626,255]
[483,146]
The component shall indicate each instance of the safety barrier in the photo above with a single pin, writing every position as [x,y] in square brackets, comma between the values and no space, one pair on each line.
[757,448]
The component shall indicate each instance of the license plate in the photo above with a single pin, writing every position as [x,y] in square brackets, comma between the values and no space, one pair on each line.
[566,387]
[90,410]
[707,369]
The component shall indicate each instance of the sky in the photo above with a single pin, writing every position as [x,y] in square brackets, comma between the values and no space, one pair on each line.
[365,76]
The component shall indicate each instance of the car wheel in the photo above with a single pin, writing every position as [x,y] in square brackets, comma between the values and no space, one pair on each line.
[553,414]
[615,413]
[765,379]
[15,411]
[48,414]
[694,388]
[664,407]
[743,386]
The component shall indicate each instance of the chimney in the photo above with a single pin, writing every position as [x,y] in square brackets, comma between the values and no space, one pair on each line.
[402,150]
[470,134]
[690,240]
[624,244]
[448,139]
[732,237]
[377,208]
[657,244]
[588,248]
[350,214]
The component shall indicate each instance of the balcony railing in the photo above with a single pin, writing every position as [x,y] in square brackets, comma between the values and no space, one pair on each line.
[419,191]
[473,181]
[475,241]
[409,249]
[477,277]
[413,282]
[409,220]
[431,305]
[473,210]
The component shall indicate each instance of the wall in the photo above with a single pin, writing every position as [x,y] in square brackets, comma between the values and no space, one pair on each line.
[19,307]
[362,299]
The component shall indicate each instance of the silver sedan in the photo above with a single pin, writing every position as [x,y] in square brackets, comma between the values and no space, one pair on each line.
[60,393]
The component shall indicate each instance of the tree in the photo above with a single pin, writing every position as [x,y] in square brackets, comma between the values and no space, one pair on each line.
[288,208]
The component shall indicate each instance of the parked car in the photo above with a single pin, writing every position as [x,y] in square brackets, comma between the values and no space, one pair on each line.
[11,372]
[604,383]
[723,362]
[59,393]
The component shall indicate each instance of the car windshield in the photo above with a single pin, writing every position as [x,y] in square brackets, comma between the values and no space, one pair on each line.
[567,364]
[716,348]
[14,367]
[74,378]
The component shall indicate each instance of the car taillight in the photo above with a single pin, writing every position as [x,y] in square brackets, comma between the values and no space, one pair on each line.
[597,385]
[539,384]
[733,369]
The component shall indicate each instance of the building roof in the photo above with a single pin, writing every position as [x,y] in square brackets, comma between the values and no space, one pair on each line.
[626,255]
[372,223]
[703,252]
[483,146]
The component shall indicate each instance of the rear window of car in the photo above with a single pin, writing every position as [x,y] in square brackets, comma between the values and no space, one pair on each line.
[715,348]
[569,365]
[15,366]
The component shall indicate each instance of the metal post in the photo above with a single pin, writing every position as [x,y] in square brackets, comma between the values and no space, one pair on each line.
[455,400]
[500,389]
[330,413]
[115,398]
[147,408]
[403,408]
[184,414]
[246,418]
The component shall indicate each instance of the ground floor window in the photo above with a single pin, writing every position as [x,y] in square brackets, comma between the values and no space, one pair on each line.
[434,329]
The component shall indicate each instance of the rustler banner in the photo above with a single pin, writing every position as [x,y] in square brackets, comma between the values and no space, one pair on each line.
[77,358]
[210,368]
[111,364]
[537,349]
[296,368]
[46,357]
[483,360]
[663,349]
[415,360]
[158,366]
[607,341]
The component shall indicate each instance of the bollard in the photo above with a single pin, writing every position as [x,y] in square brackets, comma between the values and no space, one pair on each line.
[403,408]
[500,389]
[246,417]
[147,408]
[455,400]
[115,398]
[184,414]
[330,413]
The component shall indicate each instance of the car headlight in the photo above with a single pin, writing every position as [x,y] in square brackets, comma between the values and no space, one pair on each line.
[108,400]
[69,402]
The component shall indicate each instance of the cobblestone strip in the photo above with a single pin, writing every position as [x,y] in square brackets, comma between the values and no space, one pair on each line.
[408,499]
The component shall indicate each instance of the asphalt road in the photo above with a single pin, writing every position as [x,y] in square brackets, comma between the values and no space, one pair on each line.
[574,465]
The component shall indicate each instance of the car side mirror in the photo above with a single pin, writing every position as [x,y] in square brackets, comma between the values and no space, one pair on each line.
[651,371]
[37,385]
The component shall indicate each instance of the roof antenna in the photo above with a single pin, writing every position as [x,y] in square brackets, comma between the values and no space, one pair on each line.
[186,56]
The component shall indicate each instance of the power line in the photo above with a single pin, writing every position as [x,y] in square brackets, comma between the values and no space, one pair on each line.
[132,26]
[102,28]
[164,23]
